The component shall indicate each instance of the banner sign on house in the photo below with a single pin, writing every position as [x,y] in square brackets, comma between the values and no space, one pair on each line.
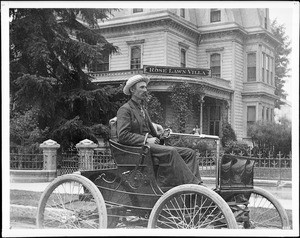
[150,69]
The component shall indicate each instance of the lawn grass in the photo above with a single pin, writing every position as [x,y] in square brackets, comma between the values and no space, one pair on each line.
[26,198]
[30,198]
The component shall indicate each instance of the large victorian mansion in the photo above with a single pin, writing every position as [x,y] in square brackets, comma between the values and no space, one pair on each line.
[229,52]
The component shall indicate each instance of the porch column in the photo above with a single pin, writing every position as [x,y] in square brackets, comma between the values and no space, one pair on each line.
[201,115]
[86,153]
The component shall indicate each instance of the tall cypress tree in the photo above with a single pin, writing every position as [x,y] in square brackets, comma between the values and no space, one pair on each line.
[282,52]
[49,49]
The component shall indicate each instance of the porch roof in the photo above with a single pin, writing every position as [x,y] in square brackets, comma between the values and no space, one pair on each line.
[122,76]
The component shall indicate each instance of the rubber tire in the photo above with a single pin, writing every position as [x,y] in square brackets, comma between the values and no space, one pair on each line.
[186,188]
[88,184]
[280,209]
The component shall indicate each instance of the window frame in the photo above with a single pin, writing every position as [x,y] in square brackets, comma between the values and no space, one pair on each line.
[213,74]
[182,12]
[268,69]
[181,58]
[250,122]
[251,67]
[263,66]
[130,55]
[215,13]
[271,70]
[137,10]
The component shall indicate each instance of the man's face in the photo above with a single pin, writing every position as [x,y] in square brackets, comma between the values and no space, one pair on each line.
[139,90]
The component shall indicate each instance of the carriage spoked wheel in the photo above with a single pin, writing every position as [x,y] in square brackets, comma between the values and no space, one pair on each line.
[265,212]
[191,207]
[71,202]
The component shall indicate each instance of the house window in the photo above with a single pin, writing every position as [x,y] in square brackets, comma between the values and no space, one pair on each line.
[135,57]
[263,67]
[183,58]
[268,68]
[214,120]
[263,113]
[104,66]
[136,10]
[271,70]
[251,116]
[215,15]
[215,65]
[182,12]
[267,114]
[251,67]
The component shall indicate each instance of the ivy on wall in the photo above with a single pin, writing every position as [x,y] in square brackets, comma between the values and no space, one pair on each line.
[155,109]
[183,97]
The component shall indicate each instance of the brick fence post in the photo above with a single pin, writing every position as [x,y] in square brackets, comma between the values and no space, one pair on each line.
[86,152]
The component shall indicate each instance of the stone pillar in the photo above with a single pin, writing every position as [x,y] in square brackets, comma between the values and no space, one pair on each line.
[49,154]
[86,152]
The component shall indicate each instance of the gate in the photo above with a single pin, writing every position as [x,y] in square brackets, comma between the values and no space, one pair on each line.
[67,162]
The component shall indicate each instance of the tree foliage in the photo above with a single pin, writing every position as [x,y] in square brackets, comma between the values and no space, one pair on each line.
[49,49]
[282,52]
[271,137]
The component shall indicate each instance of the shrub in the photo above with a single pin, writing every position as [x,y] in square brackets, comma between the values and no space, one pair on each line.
[228,133]
[236,147]
[271,137]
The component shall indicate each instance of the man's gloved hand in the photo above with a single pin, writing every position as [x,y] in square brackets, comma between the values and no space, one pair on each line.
[153,140]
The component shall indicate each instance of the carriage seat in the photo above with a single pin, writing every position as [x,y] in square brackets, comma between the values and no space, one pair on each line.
[132,151]
[236,171]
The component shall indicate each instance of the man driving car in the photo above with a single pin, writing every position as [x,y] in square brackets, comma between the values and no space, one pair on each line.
[177,165]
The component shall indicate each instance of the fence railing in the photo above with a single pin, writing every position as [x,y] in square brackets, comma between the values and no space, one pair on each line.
[25,159]
[278,168]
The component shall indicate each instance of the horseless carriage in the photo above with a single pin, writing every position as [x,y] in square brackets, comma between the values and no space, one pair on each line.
[105,198]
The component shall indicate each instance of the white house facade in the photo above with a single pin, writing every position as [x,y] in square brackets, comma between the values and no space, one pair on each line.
[229,52]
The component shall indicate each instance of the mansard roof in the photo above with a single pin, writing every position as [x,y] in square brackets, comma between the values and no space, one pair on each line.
[246,20]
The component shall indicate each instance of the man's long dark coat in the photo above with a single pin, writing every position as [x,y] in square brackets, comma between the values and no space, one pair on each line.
[176,165]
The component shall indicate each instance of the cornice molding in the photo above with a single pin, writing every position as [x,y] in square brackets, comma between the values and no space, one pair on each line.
[135,42]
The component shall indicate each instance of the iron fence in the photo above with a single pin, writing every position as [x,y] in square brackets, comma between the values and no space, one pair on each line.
[26,159]
[67,162]
[279,168]
[102,159]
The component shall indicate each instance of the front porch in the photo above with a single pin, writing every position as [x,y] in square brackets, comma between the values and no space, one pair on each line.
[207,113]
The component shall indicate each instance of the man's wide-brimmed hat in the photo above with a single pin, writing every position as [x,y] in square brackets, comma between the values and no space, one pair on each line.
[132,81]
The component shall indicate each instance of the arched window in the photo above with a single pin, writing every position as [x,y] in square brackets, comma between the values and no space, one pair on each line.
[215,65]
